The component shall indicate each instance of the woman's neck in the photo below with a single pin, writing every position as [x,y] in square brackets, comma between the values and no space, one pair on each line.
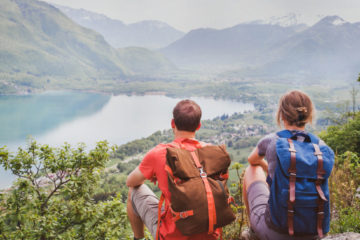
[293,127]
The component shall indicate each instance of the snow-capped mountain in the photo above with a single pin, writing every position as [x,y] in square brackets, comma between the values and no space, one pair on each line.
[331,21]
[327,49]
[292,19]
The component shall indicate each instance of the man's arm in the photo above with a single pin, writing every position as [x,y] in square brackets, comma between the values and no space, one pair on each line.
[135,178]
[256,159]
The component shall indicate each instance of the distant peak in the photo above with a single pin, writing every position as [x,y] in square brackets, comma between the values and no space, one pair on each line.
[333,20]
[291,19]
[81,13]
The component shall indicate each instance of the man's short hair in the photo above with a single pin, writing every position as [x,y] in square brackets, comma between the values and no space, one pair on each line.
[187,115]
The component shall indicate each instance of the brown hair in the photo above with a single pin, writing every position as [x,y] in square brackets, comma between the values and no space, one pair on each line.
[187,115]
[296,108]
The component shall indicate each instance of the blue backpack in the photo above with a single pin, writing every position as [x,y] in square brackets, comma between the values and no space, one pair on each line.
[299,193]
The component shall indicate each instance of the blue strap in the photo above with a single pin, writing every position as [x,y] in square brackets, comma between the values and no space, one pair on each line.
[284,134]
[288,134]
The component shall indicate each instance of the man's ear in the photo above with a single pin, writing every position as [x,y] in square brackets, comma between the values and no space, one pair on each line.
[198,126]
[172,123]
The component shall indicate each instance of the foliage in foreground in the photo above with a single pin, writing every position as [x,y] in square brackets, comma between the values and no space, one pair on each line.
[344,182]
[345,193]
[53,196]
[233,231]
[63,193]
[344,137]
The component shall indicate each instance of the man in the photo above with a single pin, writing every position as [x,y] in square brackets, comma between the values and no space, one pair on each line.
[142,206]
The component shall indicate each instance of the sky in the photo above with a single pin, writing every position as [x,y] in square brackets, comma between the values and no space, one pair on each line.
[186,15]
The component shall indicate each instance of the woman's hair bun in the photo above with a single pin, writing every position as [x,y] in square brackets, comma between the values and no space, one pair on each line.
[301,109]
[296,108]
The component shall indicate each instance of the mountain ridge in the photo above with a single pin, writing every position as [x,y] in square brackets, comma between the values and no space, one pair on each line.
[147,33]
[41,48]
[325,50]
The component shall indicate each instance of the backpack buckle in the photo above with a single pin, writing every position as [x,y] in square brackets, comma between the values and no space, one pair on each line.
[202,173]
[184,214]
[319,180]
[290,212]
[292,150]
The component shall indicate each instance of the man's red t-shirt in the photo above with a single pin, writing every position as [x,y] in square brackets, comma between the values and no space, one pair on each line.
[153,168]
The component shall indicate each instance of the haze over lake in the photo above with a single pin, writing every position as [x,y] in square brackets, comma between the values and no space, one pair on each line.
[57,117]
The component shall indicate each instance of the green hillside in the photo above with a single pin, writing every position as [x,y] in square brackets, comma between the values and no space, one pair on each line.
[144,61]
[41,47]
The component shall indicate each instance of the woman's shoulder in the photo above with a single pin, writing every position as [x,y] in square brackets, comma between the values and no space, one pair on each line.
[269,137]
[265,142]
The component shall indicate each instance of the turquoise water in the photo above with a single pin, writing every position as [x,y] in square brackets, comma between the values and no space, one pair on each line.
[35,115]
[57,117]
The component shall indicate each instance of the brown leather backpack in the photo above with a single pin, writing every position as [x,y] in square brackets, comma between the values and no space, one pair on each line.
[197,184]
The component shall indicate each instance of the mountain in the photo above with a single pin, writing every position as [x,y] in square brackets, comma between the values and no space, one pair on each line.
[145,62]
[328,49]
[242,44]
[290,20]
[41,47]
[148,34]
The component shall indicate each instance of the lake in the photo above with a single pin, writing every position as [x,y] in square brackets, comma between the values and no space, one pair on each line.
[57,117]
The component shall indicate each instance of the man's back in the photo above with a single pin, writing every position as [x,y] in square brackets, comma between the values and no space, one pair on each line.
[142,202]
[153,168]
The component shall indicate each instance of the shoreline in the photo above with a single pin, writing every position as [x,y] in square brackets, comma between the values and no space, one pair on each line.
[134,93]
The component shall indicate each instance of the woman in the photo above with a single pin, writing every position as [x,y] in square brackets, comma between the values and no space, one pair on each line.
[294,112]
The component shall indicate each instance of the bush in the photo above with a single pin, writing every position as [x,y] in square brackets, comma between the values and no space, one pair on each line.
[53,195]
[346,137]
[345,203]
[234,230]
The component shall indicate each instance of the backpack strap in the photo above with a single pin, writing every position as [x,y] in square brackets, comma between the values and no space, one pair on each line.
[209,194]
[292,181]
[308,136]
[170,172]
[161,201]
[176,215]
[322,199]
[284,134]
[181,215]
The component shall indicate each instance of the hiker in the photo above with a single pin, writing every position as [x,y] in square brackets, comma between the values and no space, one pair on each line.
[292,201]
[177,167]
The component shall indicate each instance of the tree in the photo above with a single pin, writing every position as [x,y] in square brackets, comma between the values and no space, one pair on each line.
[344,137]
[353,92]
[53,195]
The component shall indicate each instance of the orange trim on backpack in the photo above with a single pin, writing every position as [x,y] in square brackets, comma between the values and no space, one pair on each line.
[161,201]
[181,215]
[221,234]
[169,171]
[224,175]
[209,194]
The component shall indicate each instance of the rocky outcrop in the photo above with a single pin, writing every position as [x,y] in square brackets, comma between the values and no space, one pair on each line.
[344,236]
[250,235]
